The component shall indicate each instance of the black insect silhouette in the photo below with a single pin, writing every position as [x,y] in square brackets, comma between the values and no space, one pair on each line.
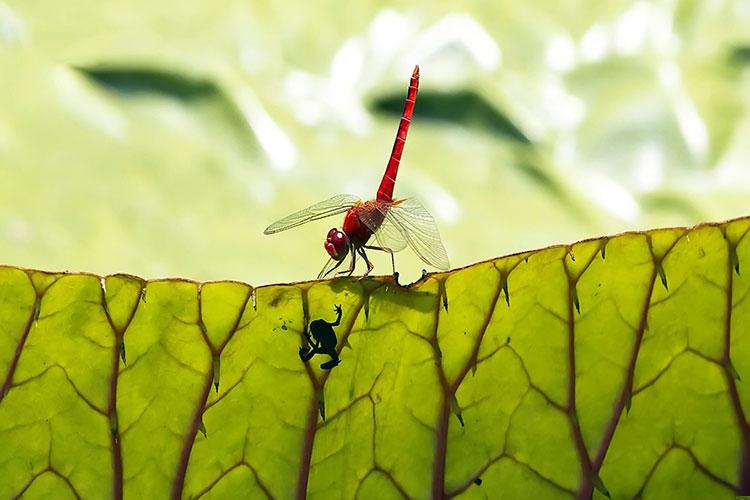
[324,341]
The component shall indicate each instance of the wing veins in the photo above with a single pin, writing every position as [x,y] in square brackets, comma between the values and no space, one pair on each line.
[327,208]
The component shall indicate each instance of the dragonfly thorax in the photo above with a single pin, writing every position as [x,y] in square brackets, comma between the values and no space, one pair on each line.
[354,227]
[337,244]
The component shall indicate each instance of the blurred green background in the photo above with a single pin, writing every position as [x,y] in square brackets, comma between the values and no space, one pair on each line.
[161,138]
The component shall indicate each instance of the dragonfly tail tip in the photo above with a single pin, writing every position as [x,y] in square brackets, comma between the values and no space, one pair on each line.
[415,73]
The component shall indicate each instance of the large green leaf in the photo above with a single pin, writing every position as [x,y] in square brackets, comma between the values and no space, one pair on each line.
[611,365]
[587,118]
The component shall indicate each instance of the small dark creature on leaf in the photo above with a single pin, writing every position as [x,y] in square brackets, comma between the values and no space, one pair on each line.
[325,341]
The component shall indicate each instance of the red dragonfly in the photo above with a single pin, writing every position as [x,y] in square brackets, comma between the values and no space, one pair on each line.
[394,223]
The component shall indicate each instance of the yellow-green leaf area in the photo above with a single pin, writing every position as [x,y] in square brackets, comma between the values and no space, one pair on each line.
[614,366]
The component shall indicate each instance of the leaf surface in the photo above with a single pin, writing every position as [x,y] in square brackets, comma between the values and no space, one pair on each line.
[610,366]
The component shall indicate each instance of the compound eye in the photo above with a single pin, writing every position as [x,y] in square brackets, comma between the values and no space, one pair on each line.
[337,244]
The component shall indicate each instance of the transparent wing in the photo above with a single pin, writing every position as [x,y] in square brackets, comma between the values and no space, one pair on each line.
[419,230]
[409,222]
[332,206]
[388,235]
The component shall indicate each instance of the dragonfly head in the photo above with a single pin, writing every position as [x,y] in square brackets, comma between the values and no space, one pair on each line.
[337,244]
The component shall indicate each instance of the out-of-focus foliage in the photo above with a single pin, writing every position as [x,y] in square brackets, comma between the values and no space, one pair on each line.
[162,138]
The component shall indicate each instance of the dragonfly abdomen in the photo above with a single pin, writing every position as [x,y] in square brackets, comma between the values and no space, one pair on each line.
[385,191]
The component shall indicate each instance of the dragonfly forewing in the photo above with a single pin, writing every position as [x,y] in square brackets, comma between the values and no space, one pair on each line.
[332,206]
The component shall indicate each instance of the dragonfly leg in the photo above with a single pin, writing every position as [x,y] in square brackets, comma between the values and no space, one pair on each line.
[384,249]
[349,271]
[324,273]
[370,267]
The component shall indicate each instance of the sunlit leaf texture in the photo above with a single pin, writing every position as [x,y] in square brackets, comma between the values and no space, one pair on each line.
[202,124]
[613,366]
